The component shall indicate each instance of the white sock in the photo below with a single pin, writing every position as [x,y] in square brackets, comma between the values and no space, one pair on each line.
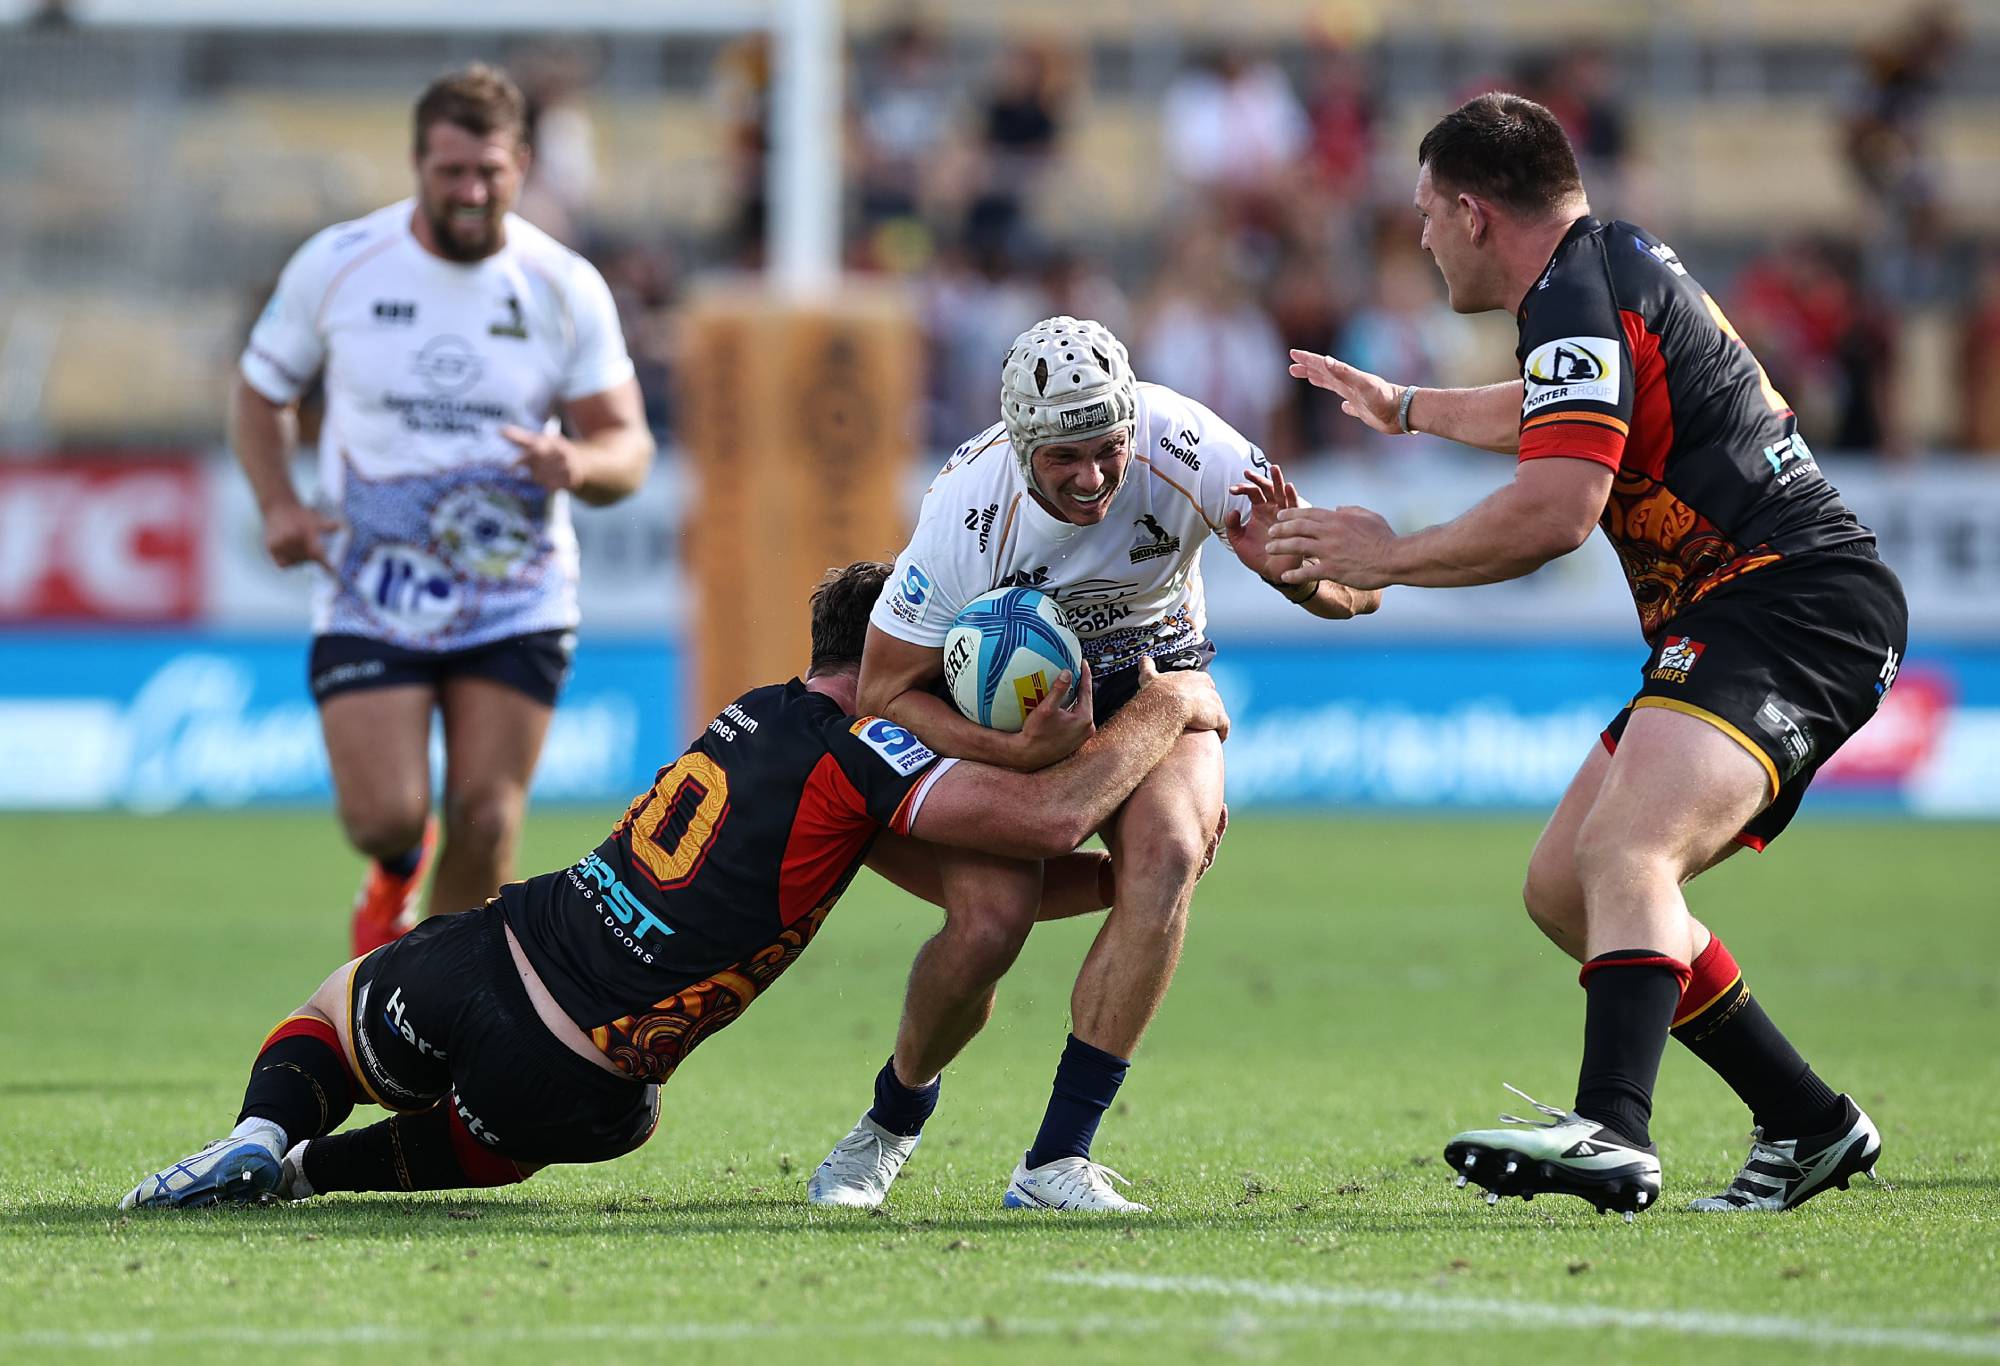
[296,1186]
[260,1128]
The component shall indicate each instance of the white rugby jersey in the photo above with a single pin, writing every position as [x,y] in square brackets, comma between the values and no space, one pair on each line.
[449,544]
[1129,586]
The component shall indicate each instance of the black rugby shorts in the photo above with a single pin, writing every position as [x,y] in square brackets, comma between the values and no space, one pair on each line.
[1788,661]
[536,664]
[442,1014]
[1113,690]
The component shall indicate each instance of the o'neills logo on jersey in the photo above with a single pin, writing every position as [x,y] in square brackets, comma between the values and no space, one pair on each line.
[981,521]
[1090,415]
[1186,454]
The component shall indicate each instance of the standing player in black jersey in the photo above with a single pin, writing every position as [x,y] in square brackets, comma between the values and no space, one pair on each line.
[537,1029]
[1774,629]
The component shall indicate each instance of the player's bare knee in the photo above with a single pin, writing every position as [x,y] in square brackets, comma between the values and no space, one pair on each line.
[1167,855]
[987,944]
[1549,895]
[1608,862]
[482,822]
[329,999]
[383,830]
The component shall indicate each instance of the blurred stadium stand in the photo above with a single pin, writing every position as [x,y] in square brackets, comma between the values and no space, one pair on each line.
[153,181]
[1218,182]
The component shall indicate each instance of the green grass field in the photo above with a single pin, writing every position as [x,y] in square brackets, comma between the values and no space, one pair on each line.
[1352,993]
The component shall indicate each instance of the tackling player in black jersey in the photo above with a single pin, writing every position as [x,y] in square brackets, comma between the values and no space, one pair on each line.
[1773,627]
[537,1028]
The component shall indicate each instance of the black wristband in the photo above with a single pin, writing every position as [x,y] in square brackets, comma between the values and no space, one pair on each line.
[1284,590]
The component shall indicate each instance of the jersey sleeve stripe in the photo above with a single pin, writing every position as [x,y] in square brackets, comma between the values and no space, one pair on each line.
[1199,510]
[1578,441]
[913,800]
[340,276]
[1006,530]
[1601,419]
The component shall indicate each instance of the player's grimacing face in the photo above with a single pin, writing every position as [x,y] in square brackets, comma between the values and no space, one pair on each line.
[466,185]
[1078,479]
[1443,236]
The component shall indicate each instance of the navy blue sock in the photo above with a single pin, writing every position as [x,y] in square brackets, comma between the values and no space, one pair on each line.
[404,863]
[1087,1081]
[902,1109]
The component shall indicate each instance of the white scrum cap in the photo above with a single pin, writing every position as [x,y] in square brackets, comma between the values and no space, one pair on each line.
[1065,379]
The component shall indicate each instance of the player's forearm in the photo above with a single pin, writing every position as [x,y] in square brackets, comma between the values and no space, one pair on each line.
[1079,883]
[1092,783]
[942,729]
[1488,417]
[1503,536]
[615,464]
[263,435]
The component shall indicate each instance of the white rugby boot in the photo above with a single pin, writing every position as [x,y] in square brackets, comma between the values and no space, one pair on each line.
[239,1170]
[1570,1155]
[1784,1173]
[858,1172]
[1068,1183]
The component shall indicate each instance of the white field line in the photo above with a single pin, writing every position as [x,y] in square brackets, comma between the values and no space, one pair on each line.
[1419,1310]
[1316,1309]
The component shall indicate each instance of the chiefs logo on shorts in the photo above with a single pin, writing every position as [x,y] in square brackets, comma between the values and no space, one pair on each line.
[1677,659]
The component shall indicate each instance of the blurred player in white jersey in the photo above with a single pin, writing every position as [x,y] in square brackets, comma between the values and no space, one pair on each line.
[1099,491]
[453,336]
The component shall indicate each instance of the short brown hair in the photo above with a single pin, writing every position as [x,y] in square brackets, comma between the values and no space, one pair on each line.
[840,607]
[481,99]
[1505,148]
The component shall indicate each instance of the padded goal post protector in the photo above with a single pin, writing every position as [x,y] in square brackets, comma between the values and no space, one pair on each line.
[800,421]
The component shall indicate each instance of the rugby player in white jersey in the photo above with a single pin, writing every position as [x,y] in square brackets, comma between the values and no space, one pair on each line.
[456,340]
[1101,492]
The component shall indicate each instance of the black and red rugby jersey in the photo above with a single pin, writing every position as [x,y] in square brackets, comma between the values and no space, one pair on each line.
[719,875]
[1627,361]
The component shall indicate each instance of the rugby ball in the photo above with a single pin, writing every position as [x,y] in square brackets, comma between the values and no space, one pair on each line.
[1003,653]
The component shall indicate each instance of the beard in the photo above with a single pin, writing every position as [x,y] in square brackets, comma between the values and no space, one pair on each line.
[453,245]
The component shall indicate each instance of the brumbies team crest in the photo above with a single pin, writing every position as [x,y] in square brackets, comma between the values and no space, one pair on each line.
[1677,659]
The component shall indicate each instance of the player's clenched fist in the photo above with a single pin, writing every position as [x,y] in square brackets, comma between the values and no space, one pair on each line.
[1196,690]
[551,459]
[293,532]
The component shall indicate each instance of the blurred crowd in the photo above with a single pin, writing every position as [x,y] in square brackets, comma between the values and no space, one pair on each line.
[1287,225]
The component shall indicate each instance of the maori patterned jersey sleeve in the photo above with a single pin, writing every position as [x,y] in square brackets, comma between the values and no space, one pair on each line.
[1627,361]
[718,876]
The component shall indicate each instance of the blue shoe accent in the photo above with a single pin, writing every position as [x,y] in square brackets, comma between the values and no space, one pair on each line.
[234,1173]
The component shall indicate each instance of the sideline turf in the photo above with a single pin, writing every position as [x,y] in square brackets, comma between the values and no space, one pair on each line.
[1352,993]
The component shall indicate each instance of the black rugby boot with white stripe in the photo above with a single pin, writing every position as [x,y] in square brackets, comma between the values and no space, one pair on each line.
[1569,1156]
[1784,1173]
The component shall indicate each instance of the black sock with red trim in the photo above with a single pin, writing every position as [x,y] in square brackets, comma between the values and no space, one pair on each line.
[430,1150]
[1721,1023]
[1631,996]
[300,1082]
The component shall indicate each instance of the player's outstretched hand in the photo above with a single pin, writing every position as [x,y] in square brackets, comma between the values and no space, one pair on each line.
[1060,723]
[1344,544]
[1369,397]
[1196,690]
[1250,533]
[294,534]
[549,458]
